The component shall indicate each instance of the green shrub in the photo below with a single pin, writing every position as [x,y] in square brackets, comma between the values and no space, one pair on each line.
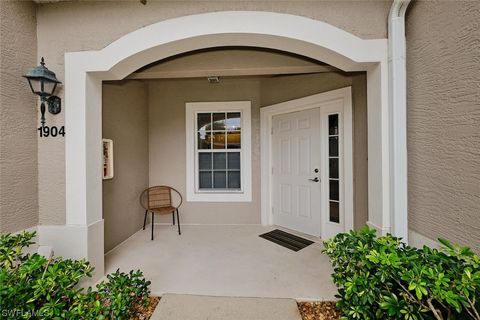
[33,287]
[383,278]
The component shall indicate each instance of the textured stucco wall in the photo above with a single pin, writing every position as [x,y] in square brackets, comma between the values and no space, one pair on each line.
[167,144]
[443,66]
[75,26]
[167,100]
[18,117]
[125,121]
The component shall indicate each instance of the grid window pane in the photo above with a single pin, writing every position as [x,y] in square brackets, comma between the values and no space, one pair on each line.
[204,121]
[333,124]
[233,160]
[220,179]
[205,160]
[234,179]
[234,121]
[334,212]
[220,131]
[234,140]
[204,140]
[219,121]
[218,140]
[333,146]
[205,180]
[333,168]
[334,190]
[219,160]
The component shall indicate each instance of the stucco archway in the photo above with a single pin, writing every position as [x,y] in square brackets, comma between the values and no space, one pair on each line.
[85,71]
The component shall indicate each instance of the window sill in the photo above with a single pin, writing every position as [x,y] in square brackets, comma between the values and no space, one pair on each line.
[238,196]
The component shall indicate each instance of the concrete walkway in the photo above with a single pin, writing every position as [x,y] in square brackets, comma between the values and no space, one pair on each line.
[231,261]
[190,307]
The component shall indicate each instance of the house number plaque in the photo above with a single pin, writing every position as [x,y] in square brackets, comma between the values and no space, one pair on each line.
[52,131]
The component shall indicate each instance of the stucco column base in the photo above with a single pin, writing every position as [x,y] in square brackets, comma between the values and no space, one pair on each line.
[76,242]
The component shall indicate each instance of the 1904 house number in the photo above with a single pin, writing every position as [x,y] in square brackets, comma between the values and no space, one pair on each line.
[53,131]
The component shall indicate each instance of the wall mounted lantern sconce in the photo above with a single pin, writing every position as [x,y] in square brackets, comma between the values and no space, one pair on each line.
[43,83]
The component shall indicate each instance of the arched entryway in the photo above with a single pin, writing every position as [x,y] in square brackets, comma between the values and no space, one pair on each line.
[85,71]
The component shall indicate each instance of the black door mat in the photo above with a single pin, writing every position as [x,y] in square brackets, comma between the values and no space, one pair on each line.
[286,239]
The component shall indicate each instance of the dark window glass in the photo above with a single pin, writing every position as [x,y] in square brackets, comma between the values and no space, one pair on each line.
[334,212]
[233,140]
[218,140]
[233,160]
[333,146]
[205,160]
[233,121]
[334,190]
[204,140]
[234,179]
[219,160]
[205,180]
[220,179]
[219,121]
[333,124]
[333,166]
[204,121]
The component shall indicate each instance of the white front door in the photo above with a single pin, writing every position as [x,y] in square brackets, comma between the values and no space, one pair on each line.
[296,159]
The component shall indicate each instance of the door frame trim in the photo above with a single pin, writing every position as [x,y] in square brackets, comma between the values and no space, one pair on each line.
[309,102]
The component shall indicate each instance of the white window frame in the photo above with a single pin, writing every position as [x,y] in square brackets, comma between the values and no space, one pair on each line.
[243,195]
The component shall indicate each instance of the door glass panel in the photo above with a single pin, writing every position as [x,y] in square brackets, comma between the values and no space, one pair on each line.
[219,179]
[219,160]
[334,212]
[334,190]
[333,124]
[333,146]
[205,179]
[333,168]
[205,160]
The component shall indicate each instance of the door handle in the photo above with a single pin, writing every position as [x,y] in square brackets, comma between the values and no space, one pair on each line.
[315,179]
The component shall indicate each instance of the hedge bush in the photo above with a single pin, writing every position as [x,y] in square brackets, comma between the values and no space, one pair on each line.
[383,278]
[33,287]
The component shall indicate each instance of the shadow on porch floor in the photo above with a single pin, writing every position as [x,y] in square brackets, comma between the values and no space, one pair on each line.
[224,261]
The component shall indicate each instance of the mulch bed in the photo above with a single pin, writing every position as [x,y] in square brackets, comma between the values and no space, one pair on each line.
[324,310]
[145,312]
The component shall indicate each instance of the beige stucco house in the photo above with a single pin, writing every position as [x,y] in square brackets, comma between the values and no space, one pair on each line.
[318,116]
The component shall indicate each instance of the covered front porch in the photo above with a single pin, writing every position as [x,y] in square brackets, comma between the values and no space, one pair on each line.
[228,260]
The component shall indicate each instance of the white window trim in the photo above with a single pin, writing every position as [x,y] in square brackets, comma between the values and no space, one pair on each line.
[245,195]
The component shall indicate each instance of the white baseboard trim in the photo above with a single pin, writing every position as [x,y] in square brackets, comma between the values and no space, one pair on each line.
[76,242]
[380,231]
[418,240]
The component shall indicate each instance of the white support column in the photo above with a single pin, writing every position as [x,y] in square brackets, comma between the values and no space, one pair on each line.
[398,118]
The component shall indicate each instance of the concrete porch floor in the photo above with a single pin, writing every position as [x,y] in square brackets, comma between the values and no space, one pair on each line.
[224,261]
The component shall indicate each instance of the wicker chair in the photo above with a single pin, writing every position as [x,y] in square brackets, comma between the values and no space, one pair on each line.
[158,199]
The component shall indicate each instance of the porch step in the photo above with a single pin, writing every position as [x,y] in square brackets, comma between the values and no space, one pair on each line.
[192,307]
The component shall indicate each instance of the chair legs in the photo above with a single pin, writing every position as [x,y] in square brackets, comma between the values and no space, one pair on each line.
[178,222]
[153,222]
[145,219]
